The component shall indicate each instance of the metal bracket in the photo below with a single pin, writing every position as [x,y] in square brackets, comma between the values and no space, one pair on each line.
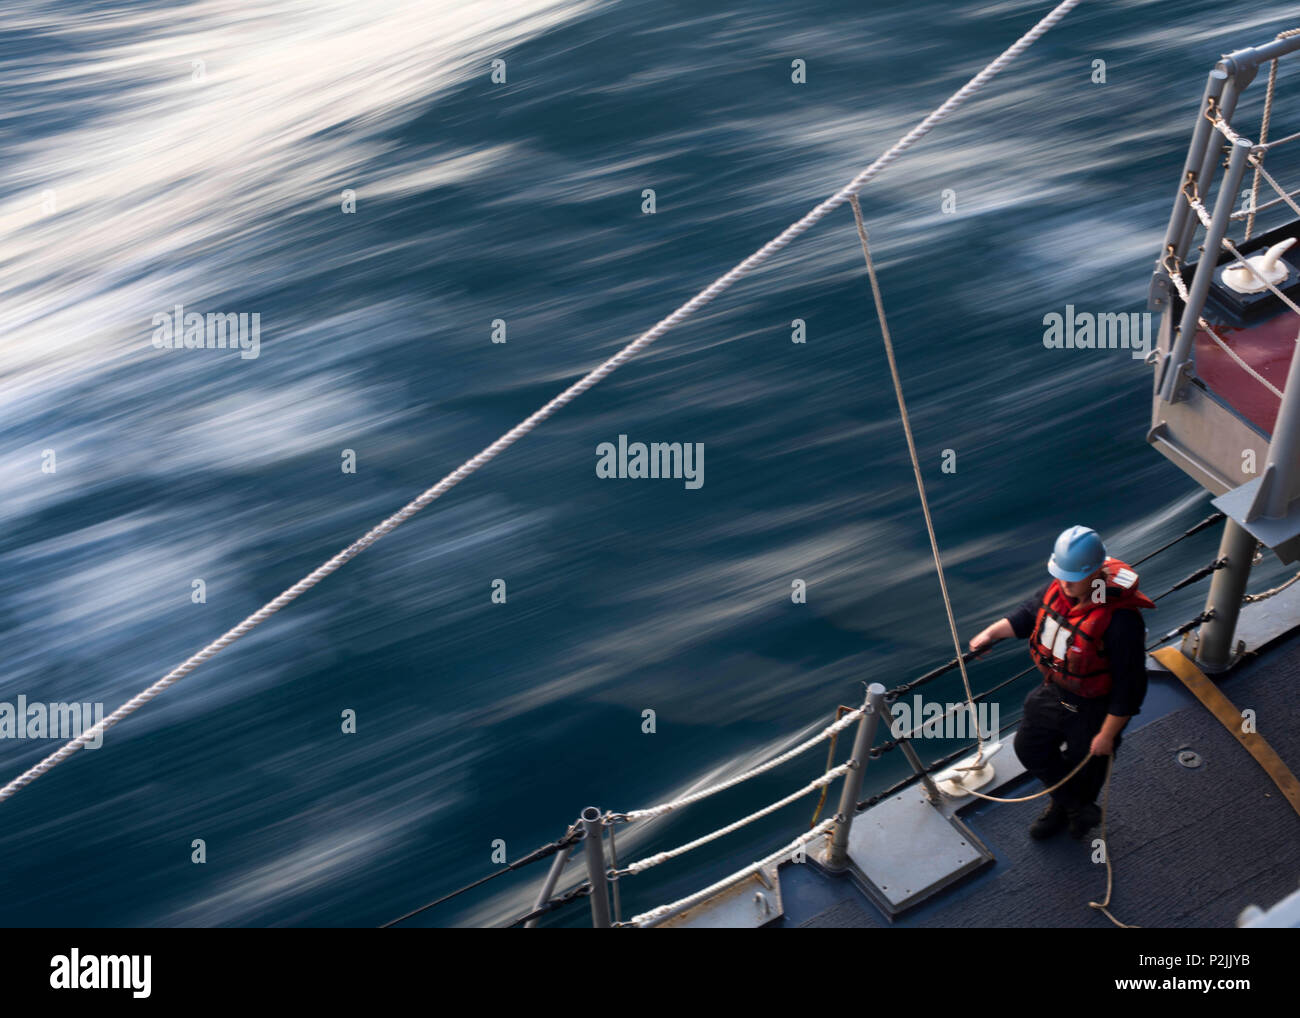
[1160,292]
[1281,534]
[1183,378]
[1160,437]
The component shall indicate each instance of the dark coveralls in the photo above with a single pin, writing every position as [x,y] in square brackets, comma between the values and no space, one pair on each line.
[1054,715]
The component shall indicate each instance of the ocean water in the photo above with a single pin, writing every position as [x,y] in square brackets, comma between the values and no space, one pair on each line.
[198,154]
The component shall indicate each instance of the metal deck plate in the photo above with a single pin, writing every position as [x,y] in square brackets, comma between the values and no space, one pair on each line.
[1263,622]
[1282,535]
[1260,622]
[903,850]
[749,904]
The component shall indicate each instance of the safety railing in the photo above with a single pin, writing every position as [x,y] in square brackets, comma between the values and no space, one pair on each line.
[595,828]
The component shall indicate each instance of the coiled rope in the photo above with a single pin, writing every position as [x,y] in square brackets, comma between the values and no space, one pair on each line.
[1103,906]
[472,465]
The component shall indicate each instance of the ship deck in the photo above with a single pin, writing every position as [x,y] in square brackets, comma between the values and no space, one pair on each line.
[1267,348]
[1191,847]
[1261,338]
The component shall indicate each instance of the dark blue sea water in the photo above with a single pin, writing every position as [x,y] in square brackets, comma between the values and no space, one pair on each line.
[135,179]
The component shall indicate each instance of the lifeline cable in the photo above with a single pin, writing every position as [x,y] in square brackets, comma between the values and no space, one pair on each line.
[1209,521]
[534,856]
[582,890]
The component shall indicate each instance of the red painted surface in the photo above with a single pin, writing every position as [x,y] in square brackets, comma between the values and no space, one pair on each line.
[1267,347]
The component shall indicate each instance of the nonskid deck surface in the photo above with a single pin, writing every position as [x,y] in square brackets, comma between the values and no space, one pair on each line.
[1265,347]
[1190,847]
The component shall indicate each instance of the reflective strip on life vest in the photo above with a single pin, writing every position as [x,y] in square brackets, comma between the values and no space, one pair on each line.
[1054,638]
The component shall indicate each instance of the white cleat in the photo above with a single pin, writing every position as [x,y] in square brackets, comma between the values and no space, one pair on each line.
[965,775]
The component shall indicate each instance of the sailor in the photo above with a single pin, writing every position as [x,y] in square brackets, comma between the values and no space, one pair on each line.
[1086,637]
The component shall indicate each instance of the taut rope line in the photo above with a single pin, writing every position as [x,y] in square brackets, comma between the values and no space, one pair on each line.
[943,586]
[916,467]
[470,466]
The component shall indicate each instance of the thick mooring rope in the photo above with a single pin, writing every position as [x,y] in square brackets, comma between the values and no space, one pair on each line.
[472,465]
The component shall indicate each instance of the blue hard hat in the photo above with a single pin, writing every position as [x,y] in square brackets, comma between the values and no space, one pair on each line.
[1077,555]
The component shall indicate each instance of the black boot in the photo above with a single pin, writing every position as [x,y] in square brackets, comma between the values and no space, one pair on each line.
[1049,822]
[1083,819]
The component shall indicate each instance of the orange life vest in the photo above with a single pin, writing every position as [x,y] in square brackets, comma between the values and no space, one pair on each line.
[1066,643]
